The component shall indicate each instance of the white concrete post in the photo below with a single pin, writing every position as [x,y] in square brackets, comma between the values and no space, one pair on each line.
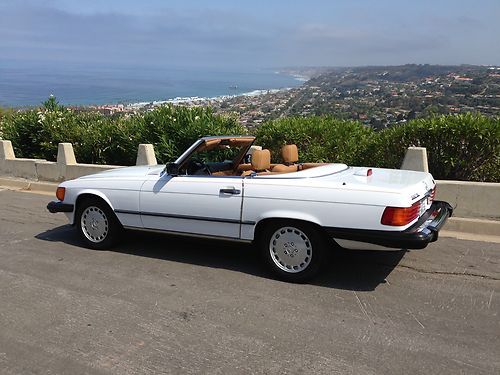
[416,159]
[65,154]
[146,155]
[6,150]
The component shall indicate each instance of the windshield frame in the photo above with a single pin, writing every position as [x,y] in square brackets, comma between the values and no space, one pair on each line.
[181,160]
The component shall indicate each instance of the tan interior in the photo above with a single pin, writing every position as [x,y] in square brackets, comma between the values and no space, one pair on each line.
[310,165]
[240,141]
[244,167]
[210,144]
[223,173]
[261,162]
[282,168]
[290,154]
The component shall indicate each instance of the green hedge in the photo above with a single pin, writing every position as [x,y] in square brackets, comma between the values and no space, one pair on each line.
[459,147]
[106,140]
[319,139]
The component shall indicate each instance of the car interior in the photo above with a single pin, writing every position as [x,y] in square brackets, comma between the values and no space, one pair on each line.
[232,157]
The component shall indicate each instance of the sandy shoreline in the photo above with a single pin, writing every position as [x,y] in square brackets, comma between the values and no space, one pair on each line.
[200,100]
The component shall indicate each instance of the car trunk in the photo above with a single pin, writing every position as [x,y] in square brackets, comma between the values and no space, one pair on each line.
[413,185]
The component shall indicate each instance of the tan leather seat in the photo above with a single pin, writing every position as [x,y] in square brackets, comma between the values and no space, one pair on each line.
[244,167]
[261,162]
[290,155]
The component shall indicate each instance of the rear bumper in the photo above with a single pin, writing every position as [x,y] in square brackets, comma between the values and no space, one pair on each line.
[418,236]
[55,206]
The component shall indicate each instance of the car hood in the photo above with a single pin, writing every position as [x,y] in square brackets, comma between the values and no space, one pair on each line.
[127,172]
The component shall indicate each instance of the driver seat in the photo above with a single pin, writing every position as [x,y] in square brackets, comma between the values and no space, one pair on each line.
[261,162]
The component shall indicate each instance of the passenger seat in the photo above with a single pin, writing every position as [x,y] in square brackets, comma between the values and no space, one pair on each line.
[290,155]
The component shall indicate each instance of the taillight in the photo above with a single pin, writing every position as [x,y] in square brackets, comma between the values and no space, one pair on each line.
[399,216]
[60,192]
[433,194]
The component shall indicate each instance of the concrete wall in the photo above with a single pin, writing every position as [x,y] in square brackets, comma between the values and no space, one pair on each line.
[66,166]
[470,199]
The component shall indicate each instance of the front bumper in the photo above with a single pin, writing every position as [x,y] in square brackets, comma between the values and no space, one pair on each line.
[418,236]
[56,206]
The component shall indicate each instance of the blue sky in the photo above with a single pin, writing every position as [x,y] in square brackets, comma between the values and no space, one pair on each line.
[223,33]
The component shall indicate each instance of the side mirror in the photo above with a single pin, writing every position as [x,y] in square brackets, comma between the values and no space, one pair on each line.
[172,169]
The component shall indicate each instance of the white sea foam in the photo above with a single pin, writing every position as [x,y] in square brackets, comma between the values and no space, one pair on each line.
[300,78]
[198,100]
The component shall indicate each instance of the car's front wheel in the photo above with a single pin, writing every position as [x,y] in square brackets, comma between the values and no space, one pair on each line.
[293,251]
[97,224]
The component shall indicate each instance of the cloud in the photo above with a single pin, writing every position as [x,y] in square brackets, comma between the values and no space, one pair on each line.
[45,32]
[214,35]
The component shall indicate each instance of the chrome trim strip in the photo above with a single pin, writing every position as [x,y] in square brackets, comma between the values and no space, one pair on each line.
[185,217]
[186,234]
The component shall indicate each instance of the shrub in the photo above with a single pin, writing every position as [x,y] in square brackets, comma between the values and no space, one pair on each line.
[319,138]
[172,129]
[99,139]
[459,147]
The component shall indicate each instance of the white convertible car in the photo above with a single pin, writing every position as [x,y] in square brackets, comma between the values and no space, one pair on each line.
[293,211]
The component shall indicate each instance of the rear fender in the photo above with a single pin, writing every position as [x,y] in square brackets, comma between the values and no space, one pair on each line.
[248,231]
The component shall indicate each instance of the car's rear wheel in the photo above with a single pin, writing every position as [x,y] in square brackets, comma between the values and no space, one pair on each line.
[293,251]
[97,224]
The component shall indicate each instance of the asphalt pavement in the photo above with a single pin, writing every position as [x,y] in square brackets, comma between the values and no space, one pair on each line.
[163,304]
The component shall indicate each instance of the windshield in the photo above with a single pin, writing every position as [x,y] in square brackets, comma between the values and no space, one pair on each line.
[216,155]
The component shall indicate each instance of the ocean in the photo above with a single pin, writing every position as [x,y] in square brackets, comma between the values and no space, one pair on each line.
[23,85]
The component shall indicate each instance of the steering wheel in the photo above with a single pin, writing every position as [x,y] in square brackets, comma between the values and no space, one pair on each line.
[198,167]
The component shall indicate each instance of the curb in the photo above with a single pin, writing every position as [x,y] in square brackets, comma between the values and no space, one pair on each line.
[489,227]
[469,236]
[27,185]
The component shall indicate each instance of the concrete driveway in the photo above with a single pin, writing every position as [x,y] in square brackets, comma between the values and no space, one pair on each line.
[161,304]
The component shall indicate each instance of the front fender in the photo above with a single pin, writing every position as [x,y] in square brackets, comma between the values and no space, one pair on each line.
[72,196]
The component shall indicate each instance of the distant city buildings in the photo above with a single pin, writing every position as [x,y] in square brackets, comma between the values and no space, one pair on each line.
[376,96]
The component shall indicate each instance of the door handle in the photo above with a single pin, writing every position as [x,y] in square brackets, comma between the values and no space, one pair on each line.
[231,190]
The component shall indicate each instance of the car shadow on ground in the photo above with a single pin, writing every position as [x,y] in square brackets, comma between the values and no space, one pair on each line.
[350,270]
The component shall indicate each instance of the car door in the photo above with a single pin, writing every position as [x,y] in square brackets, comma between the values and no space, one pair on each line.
[202,205]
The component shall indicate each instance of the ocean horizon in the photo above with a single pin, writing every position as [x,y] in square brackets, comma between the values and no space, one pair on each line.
[28,85]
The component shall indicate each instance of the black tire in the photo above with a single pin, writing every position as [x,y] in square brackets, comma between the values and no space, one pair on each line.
[293,251]
[104,231]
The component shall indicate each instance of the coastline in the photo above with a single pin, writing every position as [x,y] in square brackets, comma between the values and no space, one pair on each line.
[202,100]
[196,100]
[138,89]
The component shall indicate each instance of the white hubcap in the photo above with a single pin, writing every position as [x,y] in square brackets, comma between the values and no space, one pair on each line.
[94,224]
[290,249]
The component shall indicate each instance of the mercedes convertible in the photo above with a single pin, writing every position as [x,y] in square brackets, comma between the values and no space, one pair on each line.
[295,213]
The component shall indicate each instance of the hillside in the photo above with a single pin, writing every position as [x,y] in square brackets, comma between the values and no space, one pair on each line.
[377,96]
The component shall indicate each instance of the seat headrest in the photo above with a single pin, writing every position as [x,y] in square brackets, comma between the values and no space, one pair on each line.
[261,160]
[290,153]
